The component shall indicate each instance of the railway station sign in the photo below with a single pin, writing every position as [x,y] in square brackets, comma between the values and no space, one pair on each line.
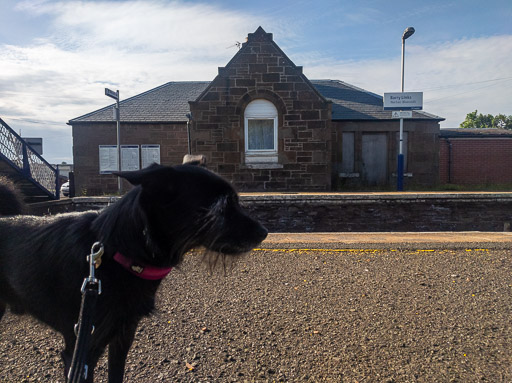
[403,101]
[112,94]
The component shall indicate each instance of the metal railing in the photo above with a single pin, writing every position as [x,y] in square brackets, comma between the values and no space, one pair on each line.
[23,158]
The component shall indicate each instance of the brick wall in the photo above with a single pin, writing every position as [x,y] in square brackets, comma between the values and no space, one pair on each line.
[476,161]
[260,70]
[358,212]
[413,212]
[172,139]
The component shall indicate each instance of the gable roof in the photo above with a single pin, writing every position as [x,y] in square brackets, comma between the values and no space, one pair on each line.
[260,36]
[352,103]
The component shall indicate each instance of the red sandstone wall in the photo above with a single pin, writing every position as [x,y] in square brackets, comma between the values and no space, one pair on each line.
[172,139]
[260,70]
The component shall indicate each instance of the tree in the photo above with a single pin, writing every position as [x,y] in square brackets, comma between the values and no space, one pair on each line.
[503,122]
[475,120]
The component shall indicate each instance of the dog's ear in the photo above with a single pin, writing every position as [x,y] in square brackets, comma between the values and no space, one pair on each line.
[147,175]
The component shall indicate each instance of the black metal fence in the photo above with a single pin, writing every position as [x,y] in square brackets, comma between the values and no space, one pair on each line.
[23,158]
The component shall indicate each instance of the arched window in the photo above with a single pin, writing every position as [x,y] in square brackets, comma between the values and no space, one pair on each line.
[260,132]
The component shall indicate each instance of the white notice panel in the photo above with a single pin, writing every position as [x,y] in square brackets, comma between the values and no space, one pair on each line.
[108,159]
[401,114]
[129,157]
[403,101]
[150,154]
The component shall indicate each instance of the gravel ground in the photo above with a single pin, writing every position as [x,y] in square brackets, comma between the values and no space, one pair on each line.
[310,316]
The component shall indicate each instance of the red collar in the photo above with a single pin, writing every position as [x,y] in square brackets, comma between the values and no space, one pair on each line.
[140,270]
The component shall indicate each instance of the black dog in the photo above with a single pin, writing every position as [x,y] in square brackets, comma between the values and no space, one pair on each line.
[170,211]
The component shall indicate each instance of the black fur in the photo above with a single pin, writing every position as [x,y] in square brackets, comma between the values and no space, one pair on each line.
[170,211]
[11,201]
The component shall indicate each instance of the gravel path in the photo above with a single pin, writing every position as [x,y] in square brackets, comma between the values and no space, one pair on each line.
[310,316]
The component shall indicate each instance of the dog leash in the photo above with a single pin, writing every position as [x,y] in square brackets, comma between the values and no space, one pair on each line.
[91,288]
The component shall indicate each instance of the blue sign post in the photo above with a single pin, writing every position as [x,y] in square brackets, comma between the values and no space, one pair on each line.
[402,102]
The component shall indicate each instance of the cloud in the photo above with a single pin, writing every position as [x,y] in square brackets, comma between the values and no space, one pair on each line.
[175,26]
[110,42]
[456,77]
[93,45]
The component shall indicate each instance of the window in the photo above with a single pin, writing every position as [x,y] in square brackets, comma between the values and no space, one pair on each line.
[260,132]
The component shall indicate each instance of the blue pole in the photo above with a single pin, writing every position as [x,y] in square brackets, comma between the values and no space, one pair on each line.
[400,173]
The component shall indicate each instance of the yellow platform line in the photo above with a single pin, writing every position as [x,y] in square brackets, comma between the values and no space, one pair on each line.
[365,251]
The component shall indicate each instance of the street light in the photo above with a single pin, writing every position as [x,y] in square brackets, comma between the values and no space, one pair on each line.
[400,163]
[409,31]
[117,115]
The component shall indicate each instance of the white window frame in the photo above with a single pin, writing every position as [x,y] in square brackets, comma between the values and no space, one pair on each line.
[260,109]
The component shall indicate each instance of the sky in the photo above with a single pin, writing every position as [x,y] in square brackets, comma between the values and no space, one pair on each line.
[56,57]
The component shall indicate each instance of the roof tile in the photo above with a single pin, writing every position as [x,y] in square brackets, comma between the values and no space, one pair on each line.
[166,103]
[170,103]
[352,103]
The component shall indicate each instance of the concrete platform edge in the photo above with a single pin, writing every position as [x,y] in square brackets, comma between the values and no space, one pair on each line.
[401,240]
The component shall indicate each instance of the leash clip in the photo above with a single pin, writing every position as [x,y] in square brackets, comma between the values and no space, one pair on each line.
[96,254]
[94,260]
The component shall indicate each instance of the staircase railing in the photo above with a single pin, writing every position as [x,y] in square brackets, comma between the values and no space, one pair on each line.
[22,157]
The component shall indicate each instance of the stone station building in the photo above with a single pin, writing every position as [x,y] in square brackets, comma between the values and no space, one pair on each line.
[263,125]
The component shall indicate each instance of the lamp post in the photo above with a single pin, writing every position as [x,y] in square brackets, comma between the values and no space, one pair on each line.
[400,163]
[117,115]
